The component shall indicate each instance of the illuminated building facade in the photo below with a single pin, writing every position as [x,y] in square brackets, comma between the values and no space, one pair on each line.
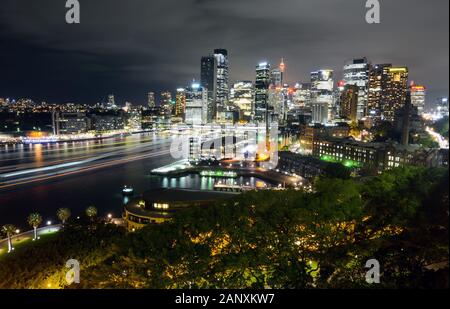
[418,96]
[208,80]
[262,83]
[357,73]
[322,86]
[376,84]
[242,96]
[302,95]
[151,101]
[349,103]
[196,105]
[222,86]
[180,102]
[394,90]
[166,102]
[69,123]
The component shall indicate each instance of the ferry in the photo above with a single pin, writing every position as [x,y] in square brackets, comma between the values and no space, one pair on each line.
[127,191]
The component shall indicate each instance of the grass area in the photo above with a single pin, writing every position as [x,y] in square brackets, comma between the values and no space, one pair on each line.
[26,242]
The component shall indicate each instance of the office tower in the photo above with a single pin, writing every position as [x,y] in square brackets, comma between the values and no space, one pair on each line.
[111,101]
[196,105]
[394,88]
[406,119]
[357,73]
[69,122]
[376,83]
[349,103]
[320,112]
[322,86]
[418,94]
[180,103]
[242,96]
[222,88]
[151,102]
[262,83]
[302,94]
[442,108]
[166,103]
[208,80]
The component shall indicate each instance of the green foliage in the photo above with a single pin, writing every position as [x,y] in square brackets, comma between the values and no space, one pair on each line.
[63,214]
[34,220]
[267,239]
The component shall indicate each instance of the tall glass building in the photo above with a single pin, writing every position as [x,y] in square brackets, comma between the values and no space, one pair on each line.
[196,105]
[263,79]
[222,88]
[356,73]
[242,96]
[208,80]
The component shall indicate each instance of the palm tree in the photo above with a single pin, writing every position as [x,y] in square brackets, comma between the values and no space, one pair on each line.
[63,214]
[91,212]
[34,220]
[9,230]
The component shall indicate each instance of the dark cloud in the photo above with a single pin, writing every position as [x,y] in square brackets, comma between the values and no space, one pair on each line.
[131,47]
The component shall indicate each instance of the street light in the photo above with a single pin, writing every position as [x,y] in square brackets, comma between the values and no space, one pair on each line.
[49,222]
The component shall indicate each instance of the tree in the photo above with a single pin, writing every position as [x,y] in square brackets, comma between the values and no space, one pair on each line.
[34,220]
[337,170]
[91,212]
[63,214]
[9,230]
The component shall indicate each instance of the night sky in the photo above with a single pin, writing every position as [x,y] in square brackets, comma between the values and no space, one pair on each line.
[132,47]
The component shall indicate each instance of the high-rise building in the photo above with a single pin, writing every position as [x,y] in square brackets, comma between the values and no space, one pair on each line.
[349,103]
[357,73]
[262,83]
[208,80]
[222,87]
[394,90]
[319,112]
[111,101]
[418,95]
[151,102]
[376,84]
[302,94]
[242,96]
[166,102]
[180,103]
[322,86]
[196,105]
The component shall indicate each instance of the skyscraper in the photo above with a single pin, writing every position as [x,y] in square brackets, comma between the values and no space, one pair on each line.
[357,73]
[242,96]
[349,102]
[302,94]
[376,84]
[208,80]
[394,90]
[151,102]
[261,92]
[222,88]
[180,103]
[322,86]
[418,95]
[196,105]
[166,102]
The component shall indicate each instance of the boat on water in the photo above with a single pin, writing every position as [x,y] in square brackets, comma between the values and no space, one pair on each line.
[127,191]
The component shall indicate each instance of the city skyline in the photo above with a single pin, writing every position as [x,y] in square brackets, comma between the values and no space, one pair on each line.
[60,66]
